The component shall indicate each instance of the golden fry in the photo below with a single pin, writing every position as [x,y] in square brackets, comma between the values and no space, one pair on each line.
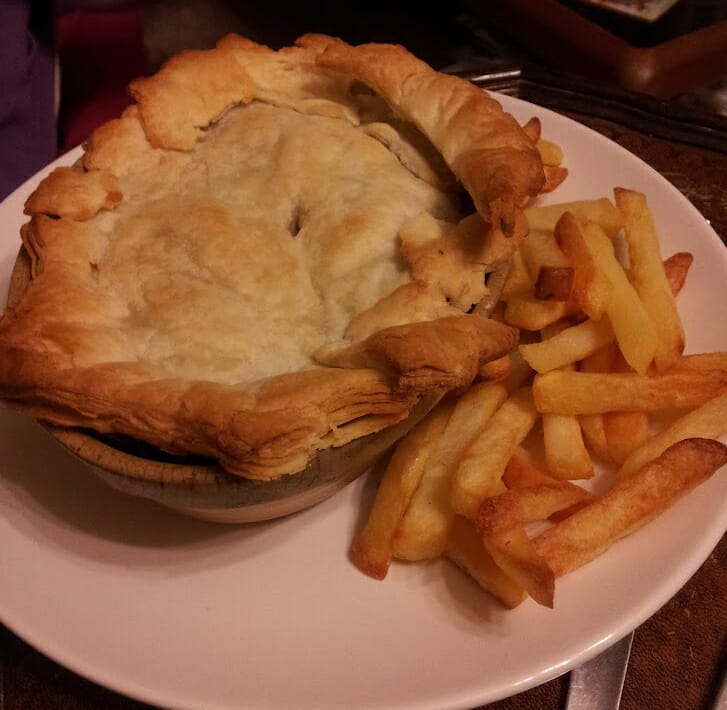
[520,372]
[483,462]
[708,422]
[371,551]
[519,282]
[540,249]
[550,153]
[500,523]
[601,211]
[631,323]
[565,453]
[532,128]
[496,370]
[529,504]
[591,285]
[625,431]
[523,472]
[592,426]
[514,553]
[700,362]
[423,530]
[564,392]
[554,282]
[554,176]
[676,268]
[568,346]
[648,277]
[630,504]
[535,314]
[601,360]
[594,434]
[466,550]
[610,351]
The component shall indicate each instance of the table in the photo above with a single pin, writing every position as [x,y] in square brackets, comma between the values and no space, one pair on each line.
[678,655]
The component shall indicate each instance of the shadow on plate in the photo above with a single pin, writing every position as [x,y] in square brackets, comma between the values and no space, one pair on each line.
[45,491]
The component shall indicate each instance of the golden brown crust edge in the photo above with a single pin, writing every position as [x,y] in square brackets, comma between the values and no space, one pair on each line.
[261,432]
[270,428]
[484,146]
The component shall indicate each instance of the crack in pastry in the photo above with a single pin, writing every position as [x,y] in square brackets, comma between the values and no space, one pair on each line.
[254,263]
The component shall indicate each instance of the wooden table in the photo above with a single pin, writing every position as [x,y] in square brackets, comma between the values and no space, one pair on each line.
[679,654]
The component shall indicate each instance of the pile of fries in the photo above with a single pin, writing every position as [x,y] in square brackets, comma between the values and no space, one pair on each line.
[602,351]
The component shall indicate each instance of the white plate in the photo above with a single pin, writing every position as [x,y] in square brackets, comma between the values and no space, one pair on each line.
[193,615]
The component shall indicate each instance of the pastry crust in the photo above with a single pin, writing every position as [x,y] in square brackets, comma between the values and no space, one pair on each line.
[478,140]
[260,259]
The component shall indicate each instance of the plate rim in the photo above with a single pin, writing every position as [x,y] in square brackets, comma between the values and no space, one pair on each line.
[466,698]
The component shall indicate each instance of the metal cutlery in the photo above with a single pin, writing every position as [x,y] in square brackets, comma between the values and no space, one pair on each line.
[597,684]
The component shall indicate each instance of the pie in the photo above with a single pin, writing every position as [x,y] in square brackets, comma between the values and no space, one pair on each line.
[269,254]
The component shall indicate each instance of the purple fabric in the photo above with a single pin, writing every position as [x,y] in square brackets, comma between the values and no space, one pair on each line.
[27,122]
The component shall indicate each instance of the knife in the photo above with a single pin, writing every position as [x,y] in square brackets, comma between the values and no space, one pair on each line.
[597,684]
[564,93]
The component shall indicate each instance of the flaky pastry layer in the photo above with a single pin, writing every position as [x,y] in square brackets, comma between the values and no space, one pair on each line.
[268,254]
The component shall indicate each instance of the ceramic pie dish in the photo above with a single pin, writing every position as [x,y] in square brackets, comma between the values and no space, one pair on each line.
[200,487]
[259,276]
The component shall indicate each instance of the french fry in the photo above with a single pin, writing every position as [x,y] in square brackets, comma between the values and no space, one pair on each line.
[483,462]
[563,392]
[523,472]
[630,504]
[601,211]
[423,530]
[554,282]
[470,491]
[514,553]
[520,372]
[465,549]
[554,176]
[631,323]
[540,249]
[532,128]
[550,153]
[625,431]
[700,362]
[594,434]
[529,504]
[601,360]
[372,548]
[592,425]
[648,277]
[500,522]
[565,452]
[707,422]
[568,346]
[535,314]
[676,268]
[519,281]
[496,370]
[591,285]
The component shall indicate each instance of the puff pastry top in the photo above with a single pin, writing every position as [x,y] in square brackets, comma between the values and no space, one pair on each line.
[269,254]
